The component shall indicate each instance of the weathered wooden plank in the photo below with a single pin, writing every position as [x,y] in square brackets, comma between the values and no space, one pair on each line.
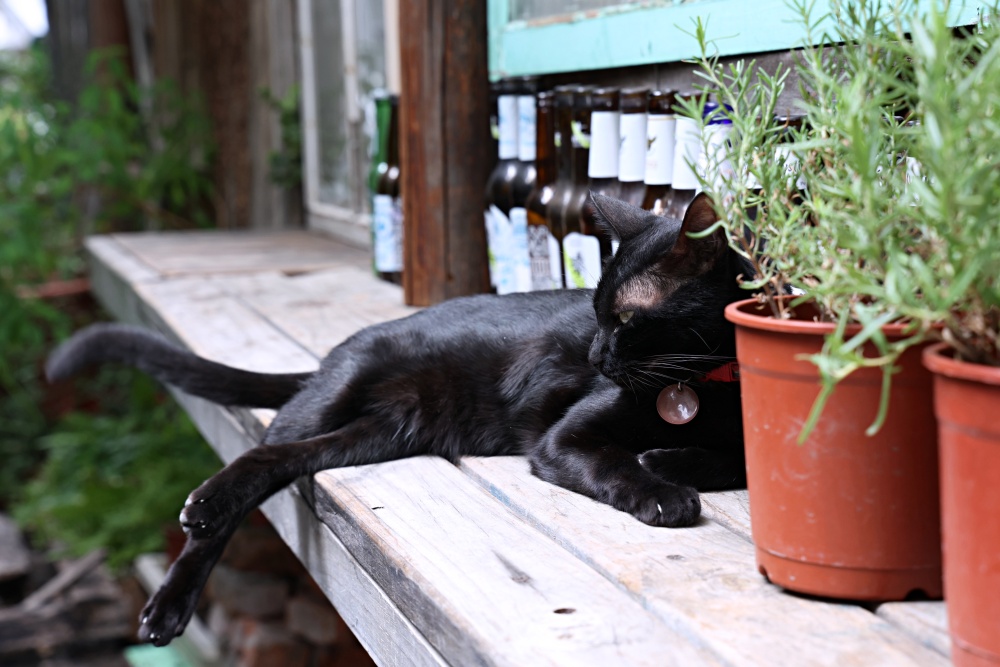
[379,625]
[211,322]
[113,270]
[701,581]
[231,251]
[728,508]
[926,622]
[320,310]
[481,585]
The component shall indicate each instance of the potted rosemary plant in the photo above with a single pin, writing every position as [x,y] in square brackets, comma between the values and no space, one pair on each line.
[832,211]
[952,264]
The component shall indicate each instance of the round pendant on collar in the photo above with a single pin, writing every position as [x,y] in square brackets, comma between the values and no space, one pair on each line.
[677,404]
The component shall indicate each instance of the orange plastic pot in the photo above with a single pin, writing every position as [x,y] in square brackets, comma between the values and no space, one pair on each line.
[967,403]
[842,515]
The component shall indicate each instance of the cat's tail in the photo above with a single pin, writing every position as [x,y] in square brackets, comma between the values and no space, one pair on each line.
[170,364]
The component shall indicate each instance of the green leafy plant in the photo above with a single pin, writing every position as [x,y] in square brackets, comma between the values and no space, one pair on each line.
[100,165]
[114,481]
[889,212]
[286,164]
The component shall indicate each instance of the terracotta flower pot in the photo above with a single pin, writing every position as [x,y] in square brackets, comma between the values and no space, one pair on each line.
[842,515]
[967,401]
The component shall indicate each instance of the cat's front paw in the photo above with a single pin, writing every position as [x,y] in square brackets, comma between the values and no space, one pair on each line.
[669,505]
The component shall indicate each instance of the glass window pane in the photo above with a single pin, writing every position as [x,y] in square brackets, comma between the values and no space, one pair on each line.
[331,103]
[523,10]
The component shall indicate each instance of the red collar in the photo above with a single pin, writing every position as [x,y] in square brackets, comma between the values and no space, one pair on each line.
[727,373]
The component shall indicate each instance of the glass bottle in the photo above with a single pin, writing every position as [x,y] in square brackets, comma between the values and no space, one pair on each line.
[632,145]
[790,125]
[499,195]
[602,165]
[687,151]
[562,189]
[544,249]
[660,139]
[378,162]
[583,250]
[524,183]
[387,206]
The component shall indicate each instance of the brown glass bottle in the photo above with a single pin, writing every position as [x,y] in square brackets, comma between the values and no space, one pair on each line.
[524,181]
[499,194]
[583,250]
[544,249]
[632,146]
[660,141]
[602,162]
[562,188]
[687,148]
[387,214]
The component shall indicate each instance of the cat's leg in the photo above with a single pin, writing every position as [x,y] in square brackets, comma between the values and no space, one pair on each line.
[581,453]
[214,510]
[704,469]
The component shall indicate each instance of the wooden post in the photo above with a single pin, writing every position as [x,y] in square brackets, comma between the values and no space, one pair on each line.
[444,147]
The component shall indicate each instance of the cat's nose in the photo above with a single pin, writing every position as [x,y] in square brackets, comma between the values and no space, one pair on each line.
[596,357]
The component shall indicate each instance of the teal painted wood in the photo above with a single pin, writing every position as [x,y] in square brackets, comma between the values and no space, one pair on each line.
[650,32]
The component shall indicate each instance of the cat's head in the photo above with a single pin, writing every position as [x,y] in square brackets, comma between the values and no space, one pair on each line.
[661,298]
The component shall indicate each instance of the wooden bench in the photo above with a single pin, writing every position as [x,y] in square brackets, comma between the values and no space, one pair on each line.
[477,564]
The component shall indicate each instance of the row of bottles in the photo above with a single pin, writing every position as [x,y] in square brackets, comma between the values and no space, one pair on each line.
[555,147]
[387,204]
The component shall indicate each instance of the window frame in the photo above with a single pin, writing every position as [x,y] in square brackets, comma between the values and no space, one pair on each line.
[582,40]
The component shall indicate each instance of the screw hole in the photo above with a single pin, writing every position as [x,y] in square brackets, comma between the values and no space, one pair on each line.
[565,610]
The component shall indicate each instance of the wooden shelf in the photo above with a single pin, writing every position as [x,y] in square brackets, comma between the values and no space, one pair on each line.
[431,563]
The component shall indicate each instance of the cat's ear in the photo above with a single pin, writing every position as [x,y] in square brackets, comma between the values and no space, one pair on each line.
[620,220]
[700,253]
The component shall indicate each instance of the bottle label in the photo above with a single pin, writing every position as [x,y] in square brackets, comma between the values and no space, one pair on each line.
[546,267]
[632,153]
[526,128]
[660,138]
[687,152]
[491,241]
[500,250]
[714,164]
[791,160]
[520,261]
[582,260]
[388,239]
[580,139]
[604,140]
[507,118]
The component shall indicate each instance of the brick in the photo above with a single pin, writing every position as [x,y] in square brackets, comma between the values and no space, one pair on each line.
[248,593]
[314,621]
[269,644]
[259,548]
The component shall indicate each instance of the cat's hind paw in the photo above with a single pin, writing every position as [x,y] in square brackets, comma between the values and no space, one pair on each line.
[165,616]
[668,506]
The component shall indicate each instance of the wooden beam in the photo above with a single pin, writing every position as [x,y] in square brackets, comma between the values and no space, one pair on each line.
[444,147]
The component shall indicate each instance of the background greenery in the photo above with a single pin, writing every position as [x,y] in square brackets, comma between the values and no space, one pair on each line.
[104,461]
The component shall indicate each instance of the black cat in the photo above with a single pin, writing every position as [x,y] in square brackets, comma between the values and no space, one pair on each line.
[568,378]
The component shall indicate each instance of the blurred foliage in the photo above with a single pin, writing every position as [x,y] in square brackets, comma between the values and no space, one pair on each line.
[113,480]
[120,159]
[286,164]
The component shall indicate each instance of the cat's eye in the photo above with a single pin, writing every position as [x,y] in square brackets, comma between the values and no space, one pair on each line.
[626,315]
